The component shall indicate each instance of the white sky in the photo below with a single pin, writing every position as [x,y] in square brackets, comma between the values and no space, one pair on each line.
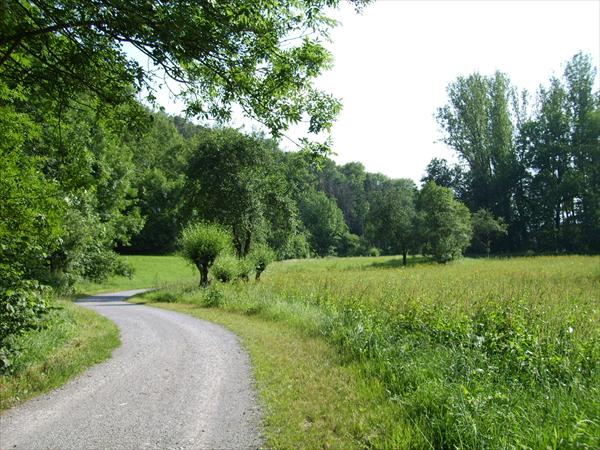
[394,61]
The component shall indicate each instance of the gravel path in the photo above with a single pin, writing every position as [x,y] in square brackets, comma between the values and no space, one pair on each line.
[176,382]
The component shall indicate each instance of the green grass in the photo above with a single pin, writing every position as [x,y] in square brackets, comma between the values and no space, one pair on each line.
[312,399]
[75,339]
[148,272]
[498,353]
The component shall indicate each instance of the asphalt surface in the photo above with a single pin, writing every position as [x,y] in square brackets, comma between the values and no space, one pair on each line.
[176,382]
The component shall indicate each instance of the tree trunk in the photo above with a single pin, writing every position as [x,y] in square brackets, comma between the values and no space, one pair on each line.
[203,269]
[204,275]
[404,258]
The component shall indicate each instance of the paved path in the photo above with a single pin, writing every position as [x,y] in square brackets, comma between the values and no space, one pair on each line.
[176,382]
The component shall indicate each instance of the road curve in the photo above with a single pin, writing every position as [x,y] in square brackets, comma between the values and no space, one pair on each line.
[176,382]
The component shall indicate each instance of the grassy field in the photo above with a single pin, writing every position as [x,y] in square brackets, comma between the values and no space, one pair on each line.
[363,353]
[148,272]
[498,353]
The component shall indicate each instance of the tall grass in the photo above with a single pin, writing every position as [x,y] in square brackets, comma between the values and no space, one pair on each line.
[496,353]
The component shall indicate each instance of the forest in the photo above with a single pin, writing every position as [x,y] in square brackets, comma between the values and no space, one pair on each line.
[90,170]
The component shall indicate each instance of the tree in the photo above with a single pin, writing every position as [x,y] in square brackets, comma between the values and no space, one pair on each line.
[260,55]
[346,184]
[324,222]
[584,112]
[159,178]
[201,243]
[552,188]
[391,216]
[445,222]
[231,179]
[439,171]
[485,228]
[261,256]
[479,125]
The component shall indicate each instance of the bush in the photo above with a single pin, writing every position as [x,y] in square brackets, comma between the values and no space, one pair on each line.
[104,263]
[226,268]
[261,256]
[201,243]
[23,306]
[213,297]
[373,251]
[296,247]
[230,268]
[350,245]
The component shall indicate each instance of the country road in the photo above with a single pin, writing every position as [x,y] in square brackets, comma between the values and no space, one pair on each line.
[175,382]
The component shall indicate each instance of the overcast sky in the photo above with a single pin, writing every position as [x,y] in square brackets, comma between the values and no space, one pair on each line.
[394,61]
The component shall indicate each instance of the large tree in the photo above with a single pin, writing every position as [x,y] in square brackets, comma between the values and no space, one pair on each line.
[391,217]
[445,223]
[259,54]
[323,220]
[232,179]
[479,125]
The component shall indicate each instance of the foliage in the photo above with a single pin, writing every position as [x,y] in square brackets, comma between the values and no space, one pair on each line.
[262,56]
[324,222]
[535,168]
[444,175]
[296,246]
[231,179]
[260,257]
[445,223]
[228,268]
[160,155]
[485,227]
[391,219]
[23,305]
[201,243]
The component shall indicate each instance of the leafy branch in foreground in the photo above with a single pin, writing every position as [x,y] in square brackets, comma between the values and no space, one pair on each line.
[260,55]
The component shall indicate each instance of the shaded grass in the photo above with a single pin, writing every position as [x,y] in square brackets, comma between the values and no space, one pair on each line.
[74,339]
[493,353]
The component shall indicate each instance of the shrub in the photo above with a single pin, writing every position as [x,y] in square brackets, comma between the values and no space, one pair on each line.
[201,243]
[261,256]
[213,298]
[373,251]
[23,306]
[226,268]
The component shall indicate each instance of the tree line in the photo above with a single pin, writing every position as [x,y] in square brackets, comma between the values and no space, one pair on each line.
[534,162]
[297,204]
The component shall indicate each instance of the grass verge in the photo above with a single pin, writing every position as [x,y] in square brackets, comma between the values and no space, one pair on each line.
[74,339]
[310,397]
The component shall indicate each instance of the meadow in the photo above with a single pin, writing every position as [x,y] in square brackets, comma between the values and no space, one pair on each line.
[480,353]
[366,353]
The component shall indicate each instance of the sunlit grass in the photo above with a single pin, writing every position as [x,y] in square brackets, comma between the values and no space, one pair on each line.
[479,353]
[148,272]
